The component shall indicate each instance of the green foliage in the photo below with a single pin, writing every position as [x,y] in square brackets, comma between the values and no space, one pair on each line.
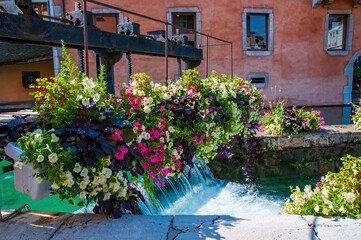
[57,99]
[338,194]
[283,121]
[300,164]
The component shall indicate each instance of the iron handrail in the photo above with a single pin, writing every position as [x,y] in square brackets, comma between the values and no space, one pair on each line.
[166,37]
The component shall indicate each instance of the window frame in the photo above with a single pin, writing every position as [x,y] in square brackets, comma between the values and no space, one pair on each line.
[269,31]
[195,23]
[198,19]
[258,75]
[344,31]
[348,32]
[266,16]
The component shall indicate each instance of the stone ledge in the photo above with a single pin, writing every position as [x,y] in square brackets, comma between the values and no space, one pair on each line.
[329,136]
[52,225]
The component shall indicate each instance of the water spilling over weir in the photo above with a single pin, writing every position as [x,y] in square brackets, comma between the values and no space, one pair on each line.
[203,194]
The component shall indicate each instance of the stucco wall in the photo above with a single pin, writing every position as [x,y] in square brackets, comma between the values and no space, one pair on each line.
[12,89]
[298,64]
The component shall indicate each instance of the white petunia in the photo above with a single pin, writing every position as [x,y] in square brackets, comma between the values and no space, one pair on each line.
[55,186]
[96,97]
[170,129]
[40,158]
[83,184]
[38,180]
[317,208]
[147,109]
[54,138]
[342,210]
[85,102]
[38,137]
[82,194]
[37,131]
[53,158]
[84,172]
[77,168]
[106,196]
[107,172]
[79,97]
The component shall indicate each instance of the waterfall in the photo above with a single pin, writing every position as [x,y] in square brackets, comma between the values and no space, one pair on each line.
[177,188]
[203,194]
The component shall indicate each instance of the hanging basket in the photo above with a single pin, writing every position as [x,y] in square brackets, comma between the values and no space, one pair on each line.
[23,180]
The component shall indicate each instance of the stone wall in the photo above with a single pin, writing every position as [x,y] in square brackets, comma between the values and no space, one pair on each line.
[304,154]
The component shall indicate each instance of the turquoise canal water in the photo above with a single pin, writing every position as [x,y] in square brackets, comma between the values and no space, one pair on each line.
[202,194]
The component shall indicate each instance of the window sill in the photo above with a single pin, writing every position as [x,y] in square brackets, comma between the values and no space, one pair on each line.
[338,53]
[259,85]
[257,53]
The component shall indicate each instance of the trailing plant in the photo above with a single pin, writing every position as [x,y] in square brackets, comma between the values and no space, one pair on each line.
[105,148]
[356,117]
[337,194]
[287,121]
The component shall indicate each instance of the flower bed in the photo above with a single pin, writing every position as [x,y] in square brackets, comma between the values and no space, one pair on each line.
[287,121]
[103,148]
[338,194]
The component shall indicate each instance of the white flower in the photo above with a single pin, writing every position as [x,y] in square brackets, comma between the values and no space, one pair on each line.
[40,158]
[83,184]
[54,138]
[79,97]
[68,180]
[55,186]
[86,81]
[85,102]
[120,176]
[38,180]
[135,91]
[92,92]
[77,168]
[107,172]
[147,109]
[106,196]
[135,129]
[170,129]
[84,172]
[325,211]
[350,197]
[161,139]
[141,93]
[317,208]
[342,210]
[37,131]
[82,194]
[38,137]
[96,97]
[53,158]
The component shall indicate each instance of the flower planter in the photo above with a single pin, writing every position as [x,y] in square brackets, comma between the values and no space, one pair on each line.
[23,180]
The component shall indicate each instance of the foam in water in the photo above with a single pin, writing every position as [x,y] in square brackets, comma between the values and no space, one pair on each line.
[202,194]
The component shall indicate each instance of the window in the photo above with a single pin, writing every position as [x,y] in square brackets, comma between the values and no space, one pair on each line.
[257,31]
[338,32]
[186,20]
[41,8]
[259,80]
[188,17]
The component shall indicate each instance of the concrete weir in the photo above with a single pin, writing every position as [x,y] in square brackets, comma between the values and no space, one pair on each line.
[306,154]
[52,225]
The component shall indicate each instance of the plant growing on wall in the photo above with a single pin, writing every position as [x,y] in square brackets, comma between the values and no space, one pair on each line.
[104,148]
[337,194]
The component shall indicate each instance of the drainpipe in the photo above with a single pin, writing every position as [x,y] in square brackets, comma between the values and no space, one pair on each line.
[55,49]
[62,9]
